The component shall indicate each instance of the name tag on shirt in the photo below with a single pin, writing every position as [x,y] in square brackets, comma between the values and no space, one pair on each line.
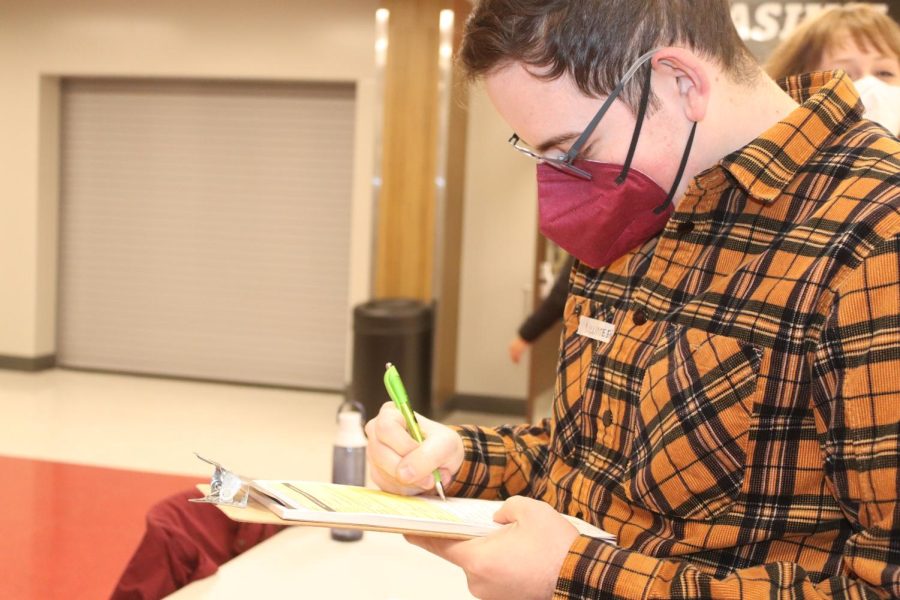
[596,329]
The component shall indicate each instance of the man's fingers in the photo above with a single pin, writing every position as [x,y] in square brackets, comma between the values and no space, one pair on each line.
[392,449]
[387,482]
[413,469]
[424,459]
[389,428]
[385,461]
[426,483]
[514,508]
[383,456]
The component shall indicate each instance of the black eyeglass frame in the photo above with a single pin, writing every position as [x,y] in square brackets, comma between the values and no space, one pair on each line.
[565,162]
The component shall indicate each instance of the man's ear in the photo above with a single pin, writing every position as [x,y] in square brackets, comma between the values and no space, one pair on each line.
[689,76]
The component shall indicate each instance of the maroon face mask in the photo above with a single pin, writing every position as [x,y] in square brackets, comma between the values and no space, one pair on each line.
[599,220]
[598,212]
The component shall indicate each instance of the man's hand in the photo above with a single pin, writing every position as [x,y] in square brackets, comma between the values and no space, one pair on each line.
[517,348]
[520,561]
[401,465]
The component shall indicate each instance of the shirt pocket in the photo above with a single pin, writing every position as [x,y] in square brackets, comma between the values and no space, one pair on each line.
[687,456]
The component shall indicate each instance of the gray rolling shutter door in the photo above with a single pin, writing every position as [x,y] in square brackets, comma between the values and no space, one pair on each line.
[205,229]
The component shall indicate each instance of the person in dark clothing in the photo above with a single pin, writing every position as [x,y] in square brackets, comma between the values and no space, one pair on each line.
[545,316]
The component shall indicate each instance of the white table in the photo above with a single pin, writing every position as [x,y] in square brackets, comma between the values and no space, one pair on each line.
[304,562]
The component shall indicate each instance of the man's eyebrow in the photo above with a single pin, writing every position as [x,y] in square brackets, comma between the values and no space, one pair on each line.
[556,141]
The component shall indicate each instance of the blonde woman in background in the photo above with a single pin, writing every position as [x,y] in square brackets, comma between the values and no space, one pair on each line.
[857,39]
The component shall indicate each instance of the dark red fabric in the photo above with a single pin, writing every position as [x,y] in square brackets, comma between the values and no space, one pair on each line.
[184,541]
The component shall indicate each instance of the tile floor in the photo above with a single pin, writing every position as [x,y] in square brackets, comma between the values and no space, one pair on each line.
[68,436]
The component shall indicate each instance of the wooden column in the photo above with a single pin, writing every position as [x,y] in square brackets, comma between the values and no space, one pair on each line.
[416,256]
[447,318]
[409,144]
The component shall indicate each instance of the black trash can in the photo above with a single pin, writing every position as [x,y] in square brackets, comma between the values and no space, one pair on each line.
[398,331]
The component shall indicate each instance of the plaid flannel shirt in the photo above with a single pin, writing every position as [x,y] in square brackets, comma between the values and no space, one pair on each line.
[739,433]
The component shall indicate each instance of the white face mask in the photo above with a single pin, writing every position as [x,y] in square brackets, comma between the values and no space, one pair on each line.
[882,102]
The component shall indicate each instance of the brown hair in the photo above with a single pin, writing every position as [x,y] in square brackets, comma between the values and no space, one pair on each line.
[595,41]
[802,51]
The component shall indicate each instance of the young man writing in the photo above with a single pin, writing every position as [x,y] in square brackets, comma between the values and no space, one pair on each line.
[729,376]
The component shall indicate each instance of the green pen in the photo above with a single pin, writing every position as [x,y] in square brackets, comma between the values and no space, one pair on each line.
[397,392]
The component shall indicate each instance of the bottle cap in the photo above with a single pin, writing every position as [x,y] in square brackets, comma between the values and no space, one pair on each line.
[350,432]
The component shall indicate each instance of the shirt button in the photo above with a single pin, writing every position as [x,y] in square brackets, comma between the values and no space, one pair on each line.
[685,228]
[607,418]
[639,317]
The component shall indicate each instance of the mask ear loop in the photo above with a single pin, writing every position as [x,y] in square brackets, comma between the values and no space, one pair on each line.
[681,167]
[573,152]
[642,110]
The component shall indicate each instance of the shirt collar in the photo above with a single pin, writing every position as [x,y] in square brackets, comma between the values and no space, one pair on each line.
[828,104]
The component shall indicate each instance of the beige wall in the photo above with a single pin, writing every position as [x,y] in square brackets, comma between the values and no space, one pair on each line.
[42,40]
[499,225]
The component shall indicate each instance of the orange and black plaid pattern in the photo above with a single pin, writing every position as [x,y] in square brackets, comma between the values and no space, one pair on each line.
[739,433]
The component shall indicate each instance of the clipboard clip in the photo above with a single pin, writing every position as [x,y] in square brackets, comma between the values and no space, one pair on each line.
[225,488]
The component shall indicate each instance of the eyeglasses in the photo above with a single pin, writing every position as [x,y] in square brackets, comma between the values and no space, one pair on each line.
[562,163]
[565,162]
